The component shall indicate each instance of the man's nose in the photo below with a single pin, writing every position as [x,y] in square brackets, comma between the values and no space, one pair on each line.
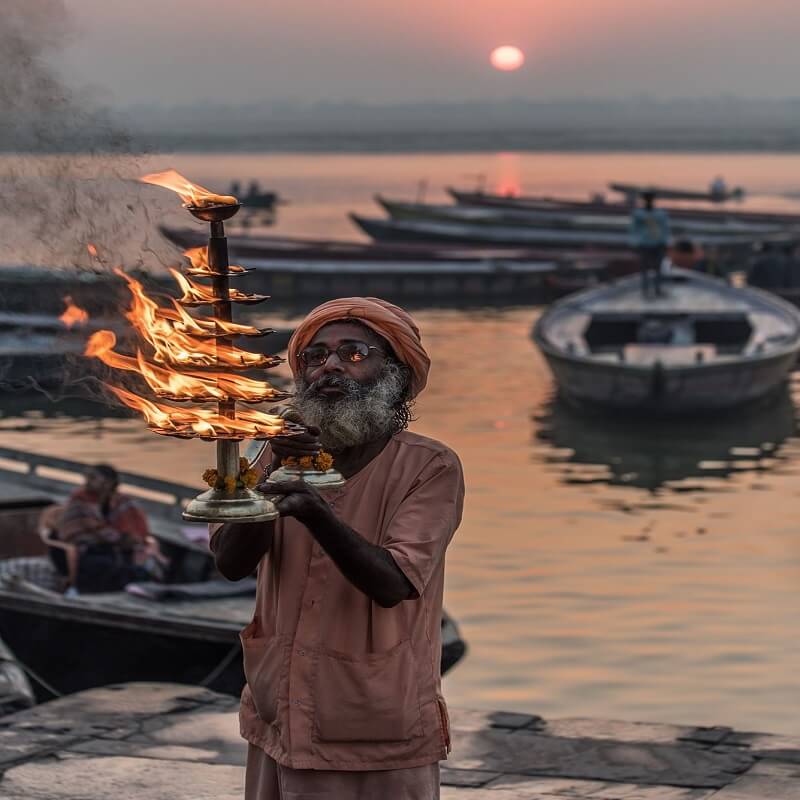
[332,363]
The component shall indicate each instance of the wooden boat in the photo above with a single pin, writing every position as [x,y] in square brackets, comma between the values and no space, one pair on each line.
[702,346]
[413,273]
[714,194]
[464,233]
[74,643]
[38,350]
[563,219]
[595,206]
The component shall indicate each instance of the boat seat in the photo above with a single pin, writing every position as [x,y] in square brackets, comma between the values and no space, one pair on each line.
[669,355]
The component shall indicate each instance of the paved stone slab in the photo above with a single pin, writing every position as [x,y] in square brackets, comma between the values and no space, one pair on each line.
[529,753]
[167,742]
[473,778]
[616,730]
[102,778]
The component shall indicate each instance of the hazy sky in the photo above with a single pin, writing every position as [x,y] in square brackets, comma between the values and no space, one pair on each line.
[183,51]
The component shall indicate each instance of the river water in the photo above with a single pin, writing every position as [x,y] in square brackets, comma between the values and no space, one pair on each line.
[608,568]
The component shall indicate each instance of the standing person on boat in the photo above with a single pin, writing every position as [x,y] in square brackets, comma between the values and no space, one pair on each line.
[649,234]
[342,658]
[114,544]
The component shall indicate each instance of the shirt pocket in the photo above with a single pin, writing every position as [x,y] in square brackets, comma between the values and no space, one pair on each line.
[265,660]
[372,698]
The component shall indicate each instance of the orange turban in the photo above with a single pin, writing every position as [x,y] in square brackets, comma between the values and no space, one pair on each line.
[387,320]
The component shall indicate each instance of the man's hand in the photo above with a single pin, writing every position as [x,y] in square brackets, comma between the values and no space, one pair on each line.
[296,499]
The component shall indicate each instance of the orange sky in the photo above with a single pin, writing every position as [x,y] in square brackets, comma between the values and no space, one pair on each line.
[385,51]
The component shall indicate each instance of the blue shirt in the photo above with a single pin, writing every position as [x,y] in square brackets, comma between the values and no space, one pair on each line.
[649,228]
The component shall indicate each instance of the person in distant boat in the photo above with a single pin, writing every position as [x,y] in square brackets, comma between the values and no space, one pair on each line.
[769,270]
[342,658]
[115,547]
[649,234]
[688,255]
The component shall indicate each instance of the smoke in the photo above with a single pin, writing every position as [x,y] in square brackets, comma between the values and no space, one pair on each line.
[66,169]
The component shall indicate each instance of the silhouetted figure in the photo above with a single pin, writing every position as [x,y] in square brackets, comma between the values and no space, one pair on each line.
[649,234]
[688,255]
[769,271]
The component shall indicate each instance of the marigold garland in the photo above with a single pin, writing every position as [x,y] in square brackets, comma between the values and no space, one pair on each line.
[322,461]
[248,477]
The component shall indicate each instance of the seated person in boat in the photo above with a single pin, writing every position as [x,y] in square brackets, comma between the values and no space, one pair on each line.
[649,234]
[111,533]
[688,255]
[342,658]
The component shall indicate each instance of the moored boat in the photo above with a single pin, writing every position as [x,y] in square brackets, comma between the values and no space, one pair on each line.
[501,235]
[185,630]
[702,346]
[602,206]
[565,219]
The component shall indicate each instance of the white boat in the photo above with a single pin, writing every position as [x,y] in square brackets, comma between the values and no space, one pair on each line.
[702,346]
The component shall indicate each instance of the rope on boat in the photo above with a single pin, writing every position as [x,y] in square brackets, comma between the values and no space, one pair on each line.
[221,667]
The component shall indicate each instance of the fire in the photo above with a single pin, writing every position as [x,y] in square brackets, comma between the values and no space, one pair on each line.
[204,423]
[198,256]
[92,251]
[184,322]
[173,385]
[73,315]
[177,349]
[192,194]
[197,293]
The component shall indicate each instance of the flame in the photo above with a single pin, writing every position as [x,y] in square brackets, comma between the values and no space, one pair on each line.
[202,422]
[191,193]
[92,251]
[184,322]
[73,315]
[197,293]
[178,349]
[173,385]
[198,256]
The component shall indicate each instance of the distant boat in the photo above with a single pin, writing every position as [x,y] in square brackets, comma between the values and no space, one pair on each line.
[703,346]
[563,219]
[601,206]
[502,235]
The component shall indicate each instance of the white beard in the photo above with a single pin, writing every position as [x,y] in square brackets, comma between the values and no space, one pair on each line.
[363,414]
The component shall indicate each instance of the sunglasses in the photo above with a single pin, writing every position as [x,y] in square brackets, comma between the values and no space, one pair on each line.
[351,352]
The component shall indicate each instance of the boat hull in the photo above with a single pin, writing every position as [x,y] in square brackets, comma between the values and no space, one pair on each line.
[673,390]
[73,647]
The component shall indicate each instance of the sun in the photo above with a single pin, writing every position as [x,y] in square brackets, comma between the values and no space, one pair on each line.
[507,58]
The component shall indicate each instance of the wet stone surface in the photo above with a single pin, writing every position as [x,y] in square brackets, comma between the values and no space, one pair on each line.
[172,742]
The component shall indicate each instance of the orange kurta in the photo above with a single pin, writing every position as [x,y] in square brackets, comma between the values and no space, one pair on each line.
[334,681]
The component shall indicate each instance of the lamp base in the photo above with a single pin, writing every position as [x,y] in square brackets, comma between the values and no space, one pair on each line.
[244,505]
[327,479]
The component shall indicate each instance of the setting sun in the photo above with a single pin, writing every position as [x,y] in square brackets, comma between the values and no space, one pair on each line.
[507,58]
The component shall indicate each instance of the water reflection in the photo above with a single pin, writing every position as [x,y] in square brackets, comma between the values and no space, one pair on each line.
[677,455]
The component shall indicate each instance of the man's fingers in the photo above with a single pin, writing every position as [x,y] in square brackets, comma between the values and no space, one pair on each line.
[282,487]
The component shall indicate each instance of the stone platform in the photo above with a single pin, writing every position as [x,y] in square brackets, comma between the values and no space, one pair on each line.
[170,742]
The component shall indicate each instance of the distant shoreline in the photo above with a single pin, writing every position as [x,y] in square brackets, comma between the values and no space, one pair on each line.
[783,142]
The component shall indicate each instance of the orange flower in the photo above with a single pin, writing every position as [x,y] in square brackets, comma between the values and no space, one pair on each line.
[211,476]
[250,478]
[324,461]
[244,464]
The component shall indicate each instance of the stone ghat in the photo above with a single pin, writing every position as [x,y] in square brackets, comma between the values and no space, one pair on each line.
[153,741]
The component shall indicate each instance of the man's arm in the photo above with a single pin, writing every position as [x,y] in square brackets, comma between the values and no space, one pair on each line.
[370,568]
[238,547]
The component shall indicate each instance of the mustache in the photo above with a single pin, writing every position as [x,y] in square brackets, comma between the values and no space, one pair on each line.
[347,385]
